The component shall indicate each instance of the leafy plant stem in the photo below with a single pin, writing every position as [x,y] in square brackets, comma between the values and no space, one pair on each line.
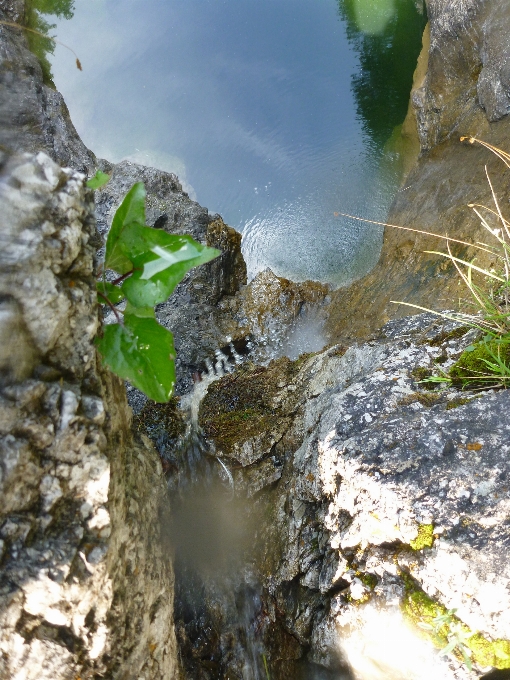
[112,307]
[120,279]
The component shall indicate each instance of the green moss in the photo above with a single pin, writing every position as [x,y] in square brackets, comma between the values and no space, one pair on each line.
[419,608]
[460,401]
[420,374]
[425,538]
[452,335]
[494,653]
[368,580]
[427,399]
[471,368]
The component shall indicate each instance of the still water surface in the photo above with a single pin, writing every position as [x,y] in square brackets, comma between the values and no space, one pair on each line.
[274,113]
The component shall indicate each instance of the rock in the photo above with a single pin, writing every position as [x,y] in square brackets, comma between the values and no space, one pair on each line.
[86,584]
[281,317]
[391,502]
[33,116]
[460,88]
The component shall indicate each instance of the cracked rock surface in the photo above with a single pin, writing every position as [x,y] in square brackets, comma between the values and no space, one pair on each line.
[362,460]
[86,584]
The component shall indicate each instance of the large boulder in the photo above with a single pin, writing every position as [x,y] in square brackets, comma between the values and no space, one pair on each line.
[384,504]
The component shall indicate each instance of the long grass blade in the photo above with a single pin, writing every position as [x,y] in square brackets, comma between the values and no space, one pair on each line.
[485,272]
[416,231]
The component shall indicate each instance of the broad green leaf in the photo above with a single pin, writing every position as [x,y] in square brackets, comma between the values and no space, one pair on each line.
[142,352]
[113,293]
[142,312]
[158,271]
[99,180]
[130,212]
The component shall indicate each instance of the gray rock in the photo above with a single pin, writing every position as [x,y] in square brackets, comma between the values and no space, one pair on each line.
[371,463]
[86,585]
[200,326]
[33,116]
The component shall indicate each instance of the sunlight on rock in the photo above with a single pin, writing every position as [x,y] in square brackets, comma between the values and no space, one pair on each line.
[379,645]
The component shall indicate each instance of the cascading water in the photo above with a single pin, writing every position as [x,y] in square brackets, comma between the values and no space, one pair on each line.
[210,534]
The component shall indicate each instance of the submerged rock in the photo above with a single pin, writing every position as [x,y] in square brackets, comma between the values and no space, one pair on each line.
[460,88]
[378,495]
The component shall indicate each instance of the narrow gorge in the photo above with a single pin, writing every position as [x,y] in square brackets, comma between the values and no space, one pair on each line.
[305,507]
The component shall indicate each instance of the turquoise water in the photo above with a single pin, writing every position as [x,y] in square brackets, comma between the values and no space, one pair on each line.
[274,113]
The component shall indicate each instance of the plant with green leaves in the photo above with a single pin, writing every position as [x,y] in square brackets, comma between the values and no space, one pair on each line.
[456,633]
[146,264]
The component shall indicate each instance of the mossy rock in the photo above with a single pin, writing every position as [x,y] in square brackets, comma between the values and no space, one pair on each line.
[240,406]
[418,608]
[426,399]
[454,334]
[421,374]
[155,420]
[425,537]
[471,369]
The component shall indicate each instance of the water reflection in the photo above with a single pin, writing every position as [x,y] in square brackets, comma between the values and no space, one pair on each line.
[36,14]
[273,112]
[386,34]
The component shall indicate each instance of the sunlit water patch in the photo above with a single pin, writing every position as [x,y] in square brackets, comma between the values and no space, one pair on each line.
[274,113]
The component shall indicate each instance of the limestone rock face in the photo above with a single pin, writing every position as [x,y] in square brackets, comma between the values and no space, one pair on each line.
[86,587]
[461,88]
[379,495]
[468,68]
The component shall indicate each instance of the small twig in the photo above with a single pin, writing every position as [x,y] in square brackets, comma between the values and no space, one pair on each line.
[416,231]
[112,307]
[46,37]
[121,278]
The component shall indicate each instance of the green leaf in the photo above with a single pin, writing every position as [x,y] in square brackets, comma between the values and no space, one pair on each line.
[113,293]
[142,352]
[449,648]
[130,212]
[160,269]
[99,180]
[142,312]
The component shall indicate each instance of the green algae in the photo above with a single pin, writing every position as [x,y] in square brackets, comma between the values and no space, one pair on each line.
[425,538]
[418,608]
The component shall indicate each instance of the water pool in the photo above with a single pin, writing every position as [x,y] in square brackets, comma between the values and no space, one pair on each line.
[274,113]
